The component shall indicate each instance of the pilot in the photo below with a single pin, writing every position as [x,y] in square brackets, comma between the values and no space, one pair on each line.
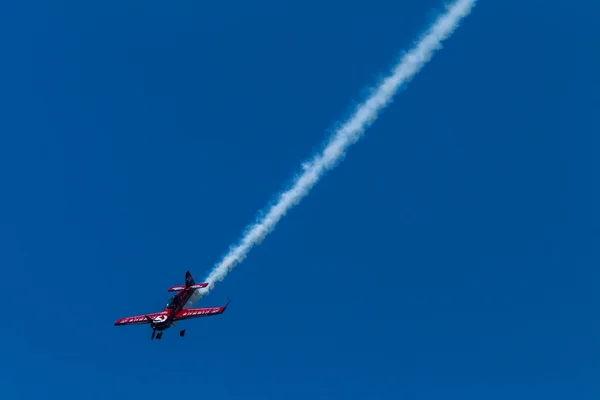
[171,302]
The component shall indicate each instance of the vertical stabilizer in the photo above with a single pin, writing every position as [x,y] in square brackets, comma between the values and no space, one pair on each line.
[189,280]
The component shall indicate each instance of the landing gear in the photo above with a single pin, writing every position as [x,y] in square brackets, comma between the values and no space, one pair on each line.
[158,335]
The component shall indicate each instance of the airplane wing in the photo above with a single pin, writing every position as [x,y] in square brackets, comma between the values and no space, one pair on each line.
[199,312]
[143,319]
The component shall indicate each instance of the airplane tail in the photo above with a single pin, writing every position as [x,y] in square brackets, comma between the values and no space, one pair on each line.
[189,280]
[189,284]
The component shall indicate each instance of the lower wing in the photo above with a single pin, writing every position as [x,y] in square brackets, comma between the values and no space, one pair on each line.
[199,312]
[143,319]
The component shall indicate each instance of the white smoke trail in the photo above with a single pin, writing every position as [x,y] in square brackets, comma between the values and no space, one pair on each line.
[345,136]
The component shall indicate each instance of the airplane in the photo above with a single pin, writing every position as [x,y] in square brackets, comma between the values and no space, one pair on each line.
[174,310]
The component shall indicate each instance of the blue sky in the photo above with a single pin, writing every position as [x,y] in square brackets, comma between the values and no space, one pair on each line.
[452,254]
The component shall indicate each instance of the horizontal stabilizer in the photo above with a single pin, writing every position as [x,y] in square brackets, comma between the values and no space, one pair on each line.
[199,286]
[195,286]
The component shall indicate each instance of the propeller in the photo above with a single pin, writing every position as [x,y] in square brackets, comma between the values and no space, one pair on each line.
[152,325]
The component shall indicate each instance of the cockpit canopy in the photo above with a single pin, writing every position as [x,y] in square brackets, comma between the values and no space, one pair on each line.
[173,302]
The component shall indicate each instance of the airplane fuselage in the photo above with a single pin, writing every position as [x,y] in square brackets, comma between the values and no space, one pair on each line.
[165,320]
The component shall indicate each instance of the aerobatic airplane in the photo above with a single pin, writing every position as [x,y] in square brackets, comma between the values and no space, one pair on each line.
[174,310]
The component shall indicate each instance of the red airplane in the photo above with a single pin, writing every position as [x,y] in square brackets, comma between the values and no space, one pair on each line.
[174,310]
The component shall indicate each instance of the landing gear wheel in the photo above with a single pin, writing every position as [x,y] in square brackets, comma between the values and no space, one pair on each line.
[159,335]
[182,333]
[153,333]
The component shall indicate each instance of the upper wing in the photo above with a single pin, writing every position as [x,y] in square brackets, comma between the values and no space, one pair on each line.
[143,319]
[199,312]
